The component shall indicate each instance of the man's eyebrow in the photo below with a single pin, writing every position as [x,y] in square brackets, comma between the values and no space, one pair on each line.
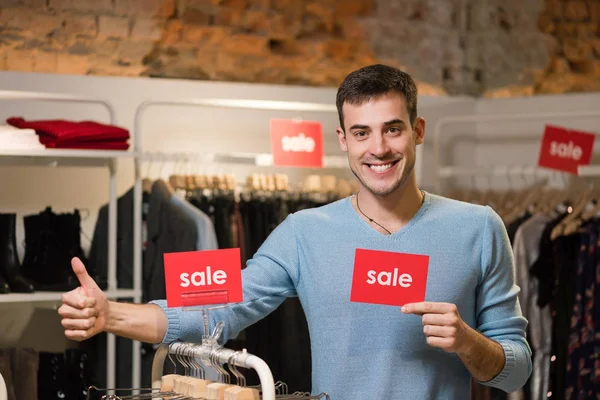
[393,121]
[358,126]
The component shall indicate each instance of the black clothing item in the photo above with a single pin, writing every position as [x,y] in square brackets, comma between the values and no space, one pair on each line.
[10,268]
[51,241]
[542,268]
[582,376]
[566,253]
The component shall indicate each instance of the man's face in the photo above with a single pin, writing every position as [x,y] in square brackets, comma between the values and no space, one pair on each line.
[380,142]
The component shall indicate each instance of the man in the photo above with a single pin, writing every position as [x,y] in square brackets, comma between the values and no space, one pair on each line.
[469,325]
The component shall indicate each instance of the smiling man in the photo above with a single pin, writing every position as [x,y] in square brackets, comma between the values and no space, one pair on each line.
[470,324]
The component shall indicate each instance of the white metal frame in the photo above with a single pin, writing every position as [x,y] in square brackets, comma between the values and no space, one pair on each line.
[72,157]
[445,171]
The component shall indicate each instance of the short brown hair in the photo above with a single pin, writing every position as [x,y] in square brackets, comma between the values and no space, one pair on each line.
[371,81]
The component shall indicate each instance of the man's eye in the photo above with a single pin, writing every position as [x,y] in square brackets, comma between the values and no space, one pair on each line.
[360,133]
[394,130]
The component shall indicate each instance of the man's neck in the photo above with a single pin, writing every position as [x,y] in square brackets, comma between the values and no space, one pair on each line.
[392,211]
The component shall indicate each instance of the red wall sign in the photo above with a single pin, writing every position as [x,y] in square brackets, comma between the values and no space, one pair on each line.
[296,143]
[196,278]
[395,279]
[565,149]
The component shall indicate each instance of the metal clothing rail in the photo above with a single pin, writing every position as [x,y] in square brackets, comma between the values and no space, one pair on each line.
[243,359]
[491,118]
[112,206]
[256,159]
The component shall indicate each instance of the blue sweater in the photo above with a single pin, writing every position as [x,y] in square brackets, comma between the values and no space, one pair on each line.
[367,351]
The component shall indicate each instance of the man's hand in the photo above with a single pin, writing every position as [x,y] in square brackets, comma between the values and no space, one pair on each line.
[442,324]
[85,308]
[483,357]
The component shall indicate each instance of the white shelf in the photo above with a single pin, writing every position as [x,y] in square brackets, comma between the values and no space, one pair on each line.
[62,157]
[42,297]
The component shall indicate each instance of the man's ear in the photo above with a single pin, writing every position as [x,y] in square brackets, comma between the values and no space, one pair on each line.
[419,130]
[342,139]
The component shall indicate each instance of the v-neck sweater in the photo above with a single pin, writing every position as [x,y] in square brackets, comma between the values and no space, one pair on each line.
[375,351]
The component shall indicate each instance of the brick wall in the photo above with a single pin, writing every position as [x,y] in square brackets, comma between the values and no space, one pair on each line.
[494,48]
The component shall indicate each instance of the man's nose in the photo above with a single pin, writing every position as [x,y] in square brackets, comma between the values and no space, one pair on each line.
[379,146]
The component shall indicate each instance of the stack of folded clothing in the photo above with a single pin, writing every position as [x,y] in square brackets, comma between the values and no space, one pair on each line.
[62,134]
[15,138]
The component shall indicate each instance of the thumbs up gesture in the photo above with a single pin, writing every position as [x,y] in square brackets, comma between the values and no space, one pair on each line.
[85,308]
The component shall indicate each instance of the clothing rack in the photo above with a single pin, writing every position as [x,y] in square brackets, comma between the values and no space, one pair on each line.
[446,171]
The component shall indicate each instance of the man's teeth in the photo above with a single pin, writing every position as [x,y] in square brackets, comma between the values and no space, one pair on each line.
[380,168]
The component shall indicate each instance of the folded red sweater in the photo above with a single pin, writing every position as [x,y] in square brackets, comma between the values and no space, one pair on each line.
[73,132]
[95,145]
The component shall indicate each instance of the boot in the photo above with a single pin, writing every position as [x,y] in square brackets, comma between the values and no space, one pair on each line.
[44,263]
[4,288]
[68,228]
[9,260]
[52,376]
[78,369]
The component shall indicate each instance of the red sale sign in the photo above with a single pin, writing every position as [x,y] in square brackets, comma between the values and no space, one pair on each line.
[296,143]
[196,278]
[395,279]
[565,149]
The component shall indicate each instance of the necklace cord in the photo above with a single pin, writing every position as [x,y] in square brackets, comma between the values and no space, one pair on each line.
[375,222]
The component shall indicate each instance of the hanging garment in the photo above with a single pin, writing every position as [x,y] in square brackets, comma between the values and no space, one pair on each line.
[63,133]
[206,235]
[526,248]
[565,251]
[172,226]
[582,379]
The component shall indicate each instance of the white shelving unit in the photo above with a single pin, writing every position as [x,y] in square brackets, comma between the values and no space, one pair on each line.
[77,158]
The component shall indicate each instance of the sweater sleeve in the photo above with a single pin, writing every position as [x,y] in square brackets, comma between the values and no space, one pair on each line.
[268,279]
[498,310]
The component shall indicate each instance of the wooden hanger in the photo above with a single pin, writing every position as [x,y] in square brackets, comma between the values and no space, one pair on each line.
[241,393]
[216,390]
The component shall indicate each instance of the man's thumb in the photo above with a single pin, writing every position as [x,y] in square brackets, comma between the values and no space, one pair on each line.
[85,280]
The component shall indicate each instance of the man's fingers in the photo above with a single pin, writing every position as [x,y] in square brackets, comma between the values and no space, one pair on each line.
[78,324]
[442,343]
[66,311]
[78,335]
[439,331]
[439,319]
[76,300]
[428,307]
[85,280]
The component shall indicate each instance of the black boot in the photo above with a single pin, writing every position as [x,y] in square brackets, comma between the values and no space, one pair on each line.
[52,376]
[68,228]
[78,368]
[4,288]
[44,261]
[9,260]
